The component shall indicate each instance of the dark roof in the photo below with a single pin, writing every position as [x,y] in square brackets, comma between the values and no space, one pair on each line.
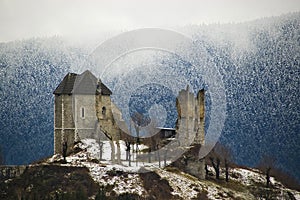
[85,83]
[105,90]
[66,86]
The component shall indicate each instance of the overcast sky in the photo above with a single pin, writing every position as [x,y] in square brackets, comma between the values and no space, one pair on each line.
[79,19]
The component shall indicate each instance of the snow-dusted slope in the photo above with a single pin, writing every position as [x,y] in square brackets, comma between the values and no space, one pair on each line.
[243,184]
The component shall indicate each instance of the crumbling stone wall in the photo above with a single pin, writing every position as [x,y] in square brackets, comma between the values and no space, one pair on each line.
[105,115]
[108,125]
[191,114]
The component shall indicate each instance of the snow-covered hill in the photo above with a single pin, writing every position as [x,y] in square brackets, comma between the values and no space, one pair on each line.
[243,183]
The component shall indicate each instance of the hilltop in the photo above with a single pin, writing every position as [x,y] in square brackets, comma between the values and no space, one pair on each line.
[83,176]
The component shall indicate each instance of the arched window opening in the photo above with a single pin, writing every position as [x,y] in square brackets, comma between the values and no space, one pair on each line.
[103,111]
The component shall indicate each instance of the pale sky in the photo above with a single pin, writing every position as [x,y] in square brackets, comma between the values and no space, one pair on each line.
[79,19]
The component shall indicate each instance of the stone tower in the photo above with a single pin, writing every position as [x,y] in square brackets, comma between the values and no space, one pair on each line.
[75,110]
[191,116]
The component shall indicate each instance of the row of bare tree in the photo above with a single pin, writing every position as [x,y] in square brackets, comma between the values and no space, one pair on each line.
[222,157]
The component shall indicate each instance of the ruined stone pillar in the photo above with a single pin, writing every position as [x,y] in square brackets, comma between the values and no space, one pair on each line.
[191,118]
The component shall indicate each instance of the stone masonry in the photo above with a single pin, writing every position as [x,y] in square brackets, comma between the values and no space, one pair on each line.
[76,106]
[191,113]
[83,109]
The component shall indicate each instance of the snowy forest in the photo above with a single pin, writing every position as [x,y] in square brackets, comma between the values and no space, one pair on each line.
[258,60]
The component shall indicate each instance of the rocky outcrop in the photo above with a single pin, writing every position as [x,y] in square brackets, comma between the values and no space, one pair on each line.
[9,171]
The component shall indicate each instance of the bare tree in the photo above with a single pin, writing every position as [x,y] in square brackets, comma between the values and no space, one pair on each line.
[216,166]
[226,170]
[267,163]
[206,170]
[286,179]
[158,156]
[220,156]
[138,120]
[225,154]
[128,155]
[153,137]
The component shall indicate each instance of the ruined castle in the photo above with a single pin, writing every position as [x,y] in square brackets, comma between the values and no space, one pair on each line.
[83,109]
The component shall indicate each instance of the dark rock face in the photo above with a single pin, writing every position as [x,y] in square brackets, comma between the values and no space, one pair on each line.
[157,187]
[8,172]
[190,163]
[48,181]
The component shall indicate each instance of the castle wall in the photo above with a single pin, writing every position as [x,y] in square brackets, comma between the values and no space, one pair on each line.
[79,113]
[85,116]
[191,131]
[69,136]
[186,103]
[57,141]
[64,127]
[57,124]
[80,116]
[105,116]
[200,117]
[57,111]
